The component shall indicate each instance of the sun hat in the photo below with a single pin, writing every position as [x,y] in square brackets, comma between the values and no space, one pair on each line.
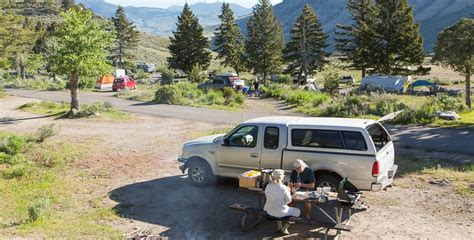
[299,163]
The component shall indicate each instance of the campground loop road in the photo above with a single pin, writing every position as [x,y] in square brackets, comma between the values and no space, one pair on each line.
[431,139]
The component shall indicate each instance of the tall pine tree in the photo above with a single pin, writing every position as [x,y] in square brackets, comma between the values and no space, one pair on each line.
[229,40]
[126,37]
[264,43]
[398,43]
[305,51]
[355,41]
[189,47]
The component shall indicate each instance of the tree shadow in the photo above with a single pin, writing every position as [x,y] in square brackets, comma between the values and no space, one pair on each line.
[9,120]
[190,212]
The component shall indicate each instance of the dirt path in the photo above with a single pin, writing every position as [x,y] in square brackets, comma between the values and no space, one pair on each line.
[136,169]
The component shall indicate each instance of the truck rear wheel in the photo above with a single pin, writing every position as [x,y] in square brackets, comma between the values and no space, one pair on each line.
[328,180]
[200,174]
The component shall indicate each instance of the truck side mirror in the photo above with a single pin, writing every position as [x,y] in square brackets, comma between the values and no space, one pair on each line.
[226,142]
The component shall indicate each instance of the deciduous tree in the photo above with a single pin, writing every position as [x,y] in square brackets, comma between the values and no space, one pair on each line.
[81,50]
[455,48]
[264,43]
[229,40]
[305,50]
[189,47]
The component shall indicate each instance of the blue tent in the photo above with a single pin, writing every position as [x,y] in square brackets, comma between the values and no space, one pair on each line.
[422,83]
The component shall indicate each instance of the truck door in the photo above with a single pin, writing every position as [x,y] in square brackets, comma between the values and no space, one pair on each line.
[274,140]
[240,151]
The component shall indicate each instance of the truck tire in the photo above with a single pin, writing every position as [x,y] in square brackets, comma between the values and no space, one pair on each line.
[200,174]
[328,180]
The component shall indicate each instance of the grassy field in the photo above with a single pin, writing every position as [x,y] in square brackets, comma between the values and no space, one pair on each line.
[97,110]
[461,176]
[43,194]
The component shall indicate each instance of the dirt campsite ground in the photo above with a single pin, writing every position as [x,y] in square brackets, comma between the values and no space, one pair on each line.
[136,173]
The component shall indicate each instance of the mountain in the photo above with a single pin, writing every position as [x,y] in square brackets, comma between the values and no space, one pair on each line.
[433,15]
[160,21]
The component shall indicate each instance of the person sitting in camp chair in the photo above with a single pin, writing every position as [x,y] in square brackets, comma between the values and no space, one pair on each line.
[278,196]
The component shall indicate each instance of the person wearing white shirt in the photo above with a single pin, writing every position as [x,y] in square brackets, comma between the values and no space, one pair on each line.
[278,196]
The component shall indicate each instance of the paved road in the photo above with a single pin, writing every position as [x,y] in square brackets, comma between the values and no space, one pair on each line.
[442,140]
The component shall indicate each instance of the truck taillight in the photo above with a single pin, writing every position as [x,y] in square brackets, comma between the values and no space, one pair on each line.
[375,169]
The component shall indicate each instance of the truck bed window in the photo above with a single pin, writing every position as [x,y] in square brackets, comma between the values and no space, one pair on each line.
[316,138]
[271,138]
[379,136]
[354,140]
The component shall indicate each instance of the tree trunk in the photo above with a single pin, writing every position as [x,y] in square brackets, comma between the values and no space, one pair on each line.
[74,80]
[363,72]
[21,65]
[264,77]
[468,88]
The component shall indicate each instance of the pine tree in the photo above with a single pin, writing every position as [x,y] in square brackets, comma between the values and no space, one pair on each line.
[355,41]
[305,51]
[126,37]
[188,47]
[264,43]
[67,4]
[398,43]
[229,40]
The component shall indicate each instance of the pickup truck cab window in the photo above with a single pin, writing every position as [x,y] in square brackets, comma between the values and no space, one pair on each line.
[316,138]
[354,140]
[246,136]
[379,136]
[271,138]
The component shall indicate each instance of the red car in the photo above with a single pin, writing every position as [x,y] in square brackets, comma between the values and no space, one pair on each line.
[122,83]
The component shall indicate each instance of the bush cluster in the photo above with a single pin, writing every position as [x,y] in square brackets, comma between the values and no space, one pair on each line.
[14,149]
[188,94]
[363,104]
[37,84]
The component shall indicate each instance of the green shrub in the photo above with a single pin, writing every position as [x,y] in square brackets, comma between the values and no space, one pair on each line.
[169,94]
[142,74]
[95,109]
[19,170]
[331,78]
[439,81]
[447,103]
[13,144]
[45,132]
[197,74]
[383,104]
[239,99]
[2,92]
[167,75]
[34,212]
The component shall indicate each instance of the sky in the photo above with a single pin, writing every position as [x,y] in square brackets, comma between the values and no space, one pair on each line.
[167,3]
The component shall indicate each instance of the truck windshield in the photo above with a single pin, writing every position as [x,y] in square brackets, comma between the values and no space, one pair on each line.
[379,136]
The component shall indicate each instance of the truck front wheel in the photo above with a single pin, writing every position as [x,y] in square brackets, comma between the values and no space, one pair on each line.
[200,173]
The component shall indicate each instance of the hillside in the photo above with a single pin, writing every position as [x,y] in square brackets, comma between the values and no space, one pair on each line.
[161,21]
[433,15]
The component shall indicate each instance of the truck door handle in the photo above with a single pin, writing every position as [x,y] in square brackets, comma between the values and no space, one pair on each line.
[254,155]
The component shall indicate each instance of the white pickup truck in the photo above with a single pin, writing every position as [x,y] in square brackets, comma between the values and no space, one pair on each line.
[334,148]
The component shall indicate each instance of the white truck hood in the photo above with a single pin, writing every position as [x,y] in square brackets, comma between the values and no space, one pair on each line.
[203,140]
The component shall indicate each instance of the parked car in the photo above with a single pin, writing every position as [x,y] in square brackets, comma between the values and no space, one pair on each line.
[222,81]
[347,80]
[122,83]
[334,148]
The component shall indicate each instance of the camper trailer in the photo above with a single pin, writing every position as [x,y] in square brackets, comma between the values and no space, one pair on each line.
[393,84]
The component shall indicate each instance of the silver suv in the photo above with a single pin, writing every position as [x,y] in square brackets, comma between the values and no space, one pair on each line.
[334,148]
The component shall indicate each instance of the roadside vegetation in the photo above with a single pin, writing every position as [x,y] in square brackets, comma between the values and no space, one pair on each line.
[103,110]
[418,109]
[189,95]
[2,92]
[41,194]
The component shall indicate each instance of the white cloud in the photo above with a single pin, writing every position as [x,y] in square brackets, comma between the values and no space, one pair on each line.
[167,3]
